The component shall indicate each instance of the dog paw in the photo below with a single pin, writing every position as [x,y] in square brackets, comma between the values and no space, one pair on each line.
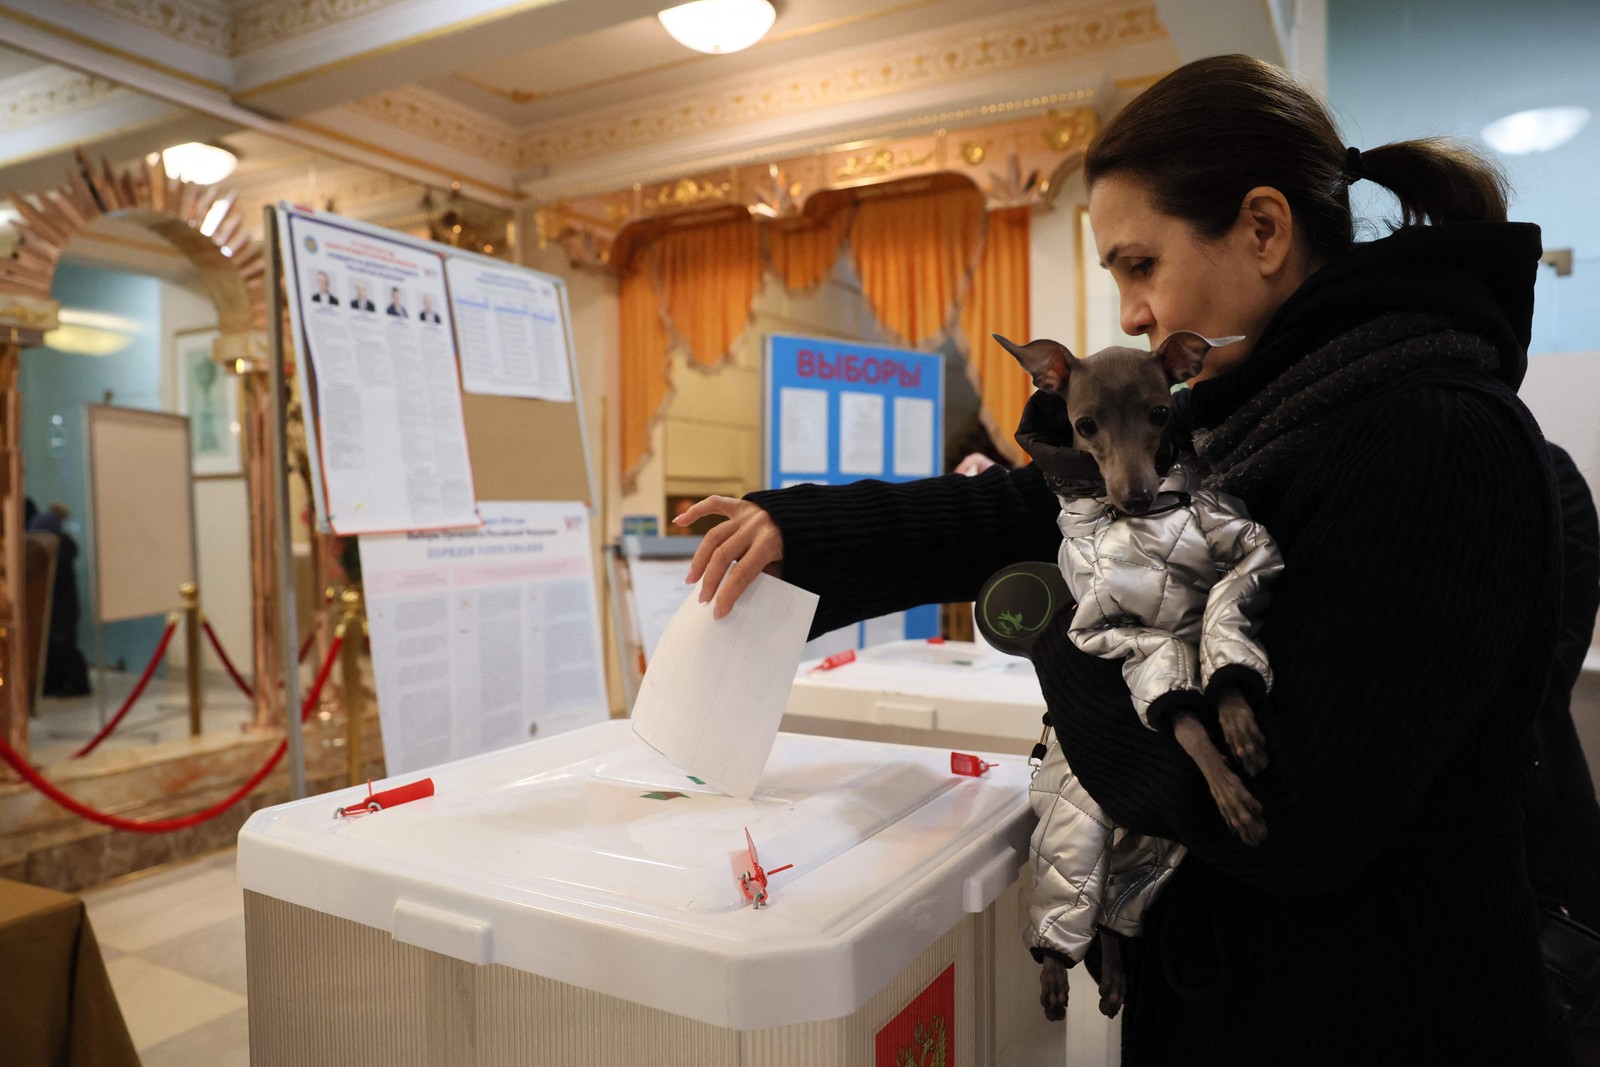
[1053,989]
[1240,810]
[1243,734]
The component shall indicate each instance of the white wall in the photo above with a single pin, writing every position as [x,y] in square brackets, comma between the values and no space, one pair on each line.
[1399,69]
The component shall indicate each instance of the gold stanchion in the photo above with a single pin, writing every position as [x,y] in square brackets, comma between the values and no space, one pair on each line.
[191,643]
[352,688]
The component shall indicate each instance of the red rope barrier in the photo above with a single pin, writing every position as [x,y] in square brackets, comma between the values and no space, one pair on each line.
[227,664]
[154,826]
[233,672]
[138,690]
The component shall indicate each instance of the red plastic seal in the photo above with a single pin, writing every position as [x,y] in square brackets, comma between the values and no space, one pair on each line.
[971,766]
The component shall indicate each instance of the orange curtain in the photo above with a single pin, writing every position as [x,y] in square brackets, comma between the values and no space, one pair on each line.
[997,302]
[915,255]
[645,370]
[709,276]
[803,254]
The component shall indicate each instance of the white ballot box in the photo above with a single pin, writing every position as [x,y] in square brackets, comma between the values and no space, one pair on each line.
[954,695]
[577,901]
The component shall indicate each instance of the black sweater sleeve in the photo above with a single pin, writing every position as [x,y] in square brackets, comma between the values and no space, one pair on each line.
[871,548]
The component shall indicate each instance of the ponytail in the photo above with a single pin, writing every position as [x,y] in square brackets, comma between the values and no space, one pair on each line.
[1438,180]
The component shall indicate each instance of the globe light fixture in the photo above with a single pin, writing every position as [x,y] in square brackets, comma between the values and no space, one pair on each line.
[92,333]
[719,26]
[202,164]
[1538,130]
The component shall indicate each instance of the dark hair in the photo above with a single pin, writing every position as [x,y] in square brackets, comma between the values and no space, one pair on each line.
[1212,130]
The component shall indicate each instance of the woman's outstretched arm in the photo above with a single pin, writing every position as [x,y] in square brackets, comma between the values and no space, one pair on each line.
[871,548]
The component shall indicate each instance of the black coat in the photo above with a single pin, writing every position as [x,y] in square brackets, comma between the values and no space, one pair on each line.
[1563,818]
[1387,918]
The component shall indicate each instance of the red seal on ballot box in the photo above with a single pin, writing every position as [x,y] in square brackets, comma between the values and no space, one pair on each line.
[924,1033]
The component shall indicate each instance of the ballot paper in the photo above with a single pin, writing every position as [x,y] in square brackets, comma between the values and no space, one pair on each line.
[715,690]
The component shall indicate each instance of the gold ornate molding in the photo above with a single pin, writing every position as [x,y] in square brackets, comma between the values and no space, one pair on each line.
[1015,162]
[434,118]
[686,192]
[208,26]
[52,92]
[259,24]
[938,59]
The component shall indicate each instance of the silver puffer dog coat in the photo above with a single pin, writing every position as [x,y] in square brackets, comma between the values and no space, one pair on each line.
[1177,593]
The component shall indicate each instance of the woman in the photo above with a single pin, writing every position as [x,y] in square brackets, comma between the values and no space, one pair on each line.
[1370,422]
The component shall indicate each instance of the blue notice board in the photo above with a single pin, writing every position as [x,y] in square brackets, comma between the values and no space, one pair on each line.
[839,411]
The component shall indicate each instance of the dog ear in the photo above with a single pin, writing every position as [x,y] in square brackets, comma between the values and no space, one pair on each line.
[1183,353]
[1049,363]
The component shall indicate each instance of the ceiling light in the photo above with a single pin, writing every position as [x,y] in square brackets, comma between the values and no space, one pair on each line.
[719,26]
[92,333]
[201,164]
[1535,131]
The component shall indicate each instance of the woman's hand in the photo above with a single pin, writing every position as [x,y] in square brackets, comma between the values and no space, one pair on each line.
[734,552]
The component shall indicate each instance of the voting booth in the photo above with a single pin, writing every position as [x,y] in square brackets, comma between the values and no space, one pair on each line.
[574,901]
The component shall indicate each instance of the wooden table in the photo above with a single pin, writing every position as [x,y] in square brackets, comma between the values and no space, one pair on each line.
[57,1008]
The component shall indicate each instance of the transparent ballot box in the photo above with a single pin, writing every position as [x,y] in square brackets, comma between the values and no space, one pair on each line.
[578,901]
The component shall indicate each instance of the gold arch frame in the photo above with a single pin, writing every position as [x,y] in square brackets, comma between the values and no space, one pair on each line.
[232,266]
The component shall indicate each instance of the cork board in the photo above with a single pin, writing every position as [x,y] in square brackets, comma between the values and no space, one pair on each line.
[526,449]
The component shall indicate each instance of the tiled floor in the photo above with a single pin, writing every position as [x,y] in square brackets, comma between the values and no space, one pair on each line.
[174,946]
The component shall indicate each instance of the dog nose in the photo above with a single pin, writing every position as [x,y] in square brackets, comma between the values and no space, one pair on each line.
[1138,502]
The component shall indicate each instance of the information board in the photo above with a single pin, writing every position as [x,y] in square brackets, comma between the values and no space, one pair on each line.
[373,312]
[839,411]
[141,510]
[482,638]
[379,378]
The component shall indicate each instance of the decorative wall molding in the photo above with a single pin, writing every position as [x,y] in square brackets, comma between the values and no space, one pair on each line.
[205,24]
[1015,162]
[259,24]
[51,92]
[792,89]
[231,29]
[436,118]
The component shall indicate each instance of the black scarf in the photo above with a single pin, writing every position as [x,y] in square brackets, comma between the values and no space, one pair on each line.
[1273,432]
[1460,294]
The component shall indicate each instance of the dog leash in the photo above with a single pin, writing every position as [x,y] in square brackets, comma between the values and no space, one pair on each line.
[1036,757]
